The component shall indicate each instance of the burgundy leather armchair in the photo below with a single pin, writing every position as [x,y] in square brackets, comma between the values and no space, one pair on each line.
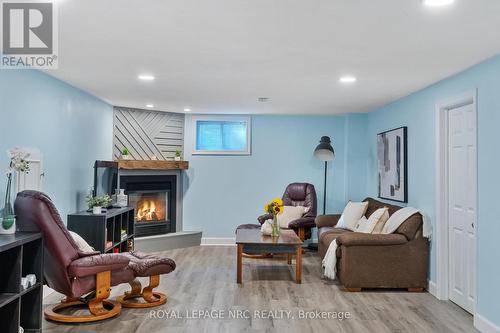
[91,274]
[299,194]
[68,270]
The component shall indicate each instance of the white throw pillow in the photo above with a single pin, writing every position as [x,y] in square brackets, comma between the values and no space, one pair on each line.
[351,215]
[383,216]
[364,225]
[81,243]
[291,213]
[367,225]
[267,228]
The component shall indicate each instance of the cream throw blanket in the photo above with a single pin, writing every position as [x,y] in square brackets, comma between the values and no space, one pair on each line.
[330,261]
[402,215]
[392,224]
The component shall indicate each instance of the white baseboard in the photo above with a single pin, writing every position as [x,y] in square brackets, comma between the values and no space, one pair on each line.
[432,288]
[228,241]
[484,325]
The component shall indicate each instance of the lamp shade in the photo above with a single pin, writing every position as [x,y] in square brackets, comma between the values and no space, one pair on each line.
[324,151]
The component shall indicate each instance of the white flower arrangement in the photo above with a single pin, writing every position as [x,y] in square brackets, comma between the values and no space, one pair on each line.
[18,161]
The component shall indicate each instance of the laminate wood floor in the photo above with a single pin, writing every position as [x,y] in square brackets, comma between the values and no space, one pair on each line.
[205,280]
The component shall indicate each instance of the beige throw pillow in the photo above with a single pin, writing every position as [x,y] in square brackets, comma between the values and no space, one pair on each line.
[364,225]
[382,215]
[80,242]
[353,211]
[291,213]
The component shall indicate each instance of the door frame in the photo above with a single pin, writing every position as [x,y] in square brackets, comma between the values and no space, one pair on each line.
[442,233]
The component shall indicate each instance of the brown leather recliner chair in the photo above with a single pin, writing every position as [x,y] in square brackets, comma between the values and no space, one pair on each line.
[296,194]
[90,274]
[299,194]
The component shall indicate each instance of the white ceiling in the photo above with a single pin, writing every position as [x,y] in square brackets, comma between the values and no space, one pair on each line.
[219,56]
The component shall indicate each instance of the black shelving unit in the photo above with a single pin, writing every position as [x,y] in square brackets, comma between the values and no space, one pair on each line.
[109,232]
[21,254]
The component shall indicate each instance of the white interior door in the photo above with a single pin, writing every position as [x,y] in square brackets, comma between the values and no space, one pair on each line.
[462,192]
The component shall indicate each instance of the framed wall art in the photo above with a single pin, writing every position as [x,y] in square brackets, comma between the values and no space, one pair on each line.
[392,156]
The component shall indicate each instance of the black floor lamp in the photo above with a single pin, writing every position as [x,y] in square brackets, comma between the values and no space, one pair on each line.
[324,152]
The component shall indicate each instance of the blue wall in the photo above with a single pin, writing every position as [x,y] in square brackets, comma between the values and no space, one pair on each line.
[70,127]
[417,111]
[222,192]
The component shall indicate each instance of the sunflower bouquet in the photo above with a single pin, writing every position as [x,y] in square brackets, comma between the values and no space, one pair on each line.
[275,207]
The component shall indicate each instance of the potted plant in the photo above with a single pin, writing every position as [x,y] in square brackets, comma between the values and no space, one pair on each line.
[178,154]
[96,203]
[126,154]
[18,163]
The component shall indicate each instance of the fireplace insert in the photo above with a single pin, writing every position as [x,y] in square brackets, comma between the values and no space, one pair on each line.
[154,199]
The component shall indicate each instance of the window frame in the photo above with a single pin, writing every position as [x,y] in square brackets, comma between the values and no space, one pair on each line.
[222,118]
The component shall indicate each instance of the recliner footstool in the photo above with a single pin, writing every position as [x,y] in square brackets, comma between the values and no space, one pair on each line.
[146,265]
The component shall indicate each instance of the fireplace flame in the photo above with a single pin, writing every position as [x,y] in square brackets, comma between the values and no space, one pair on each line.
[150,210]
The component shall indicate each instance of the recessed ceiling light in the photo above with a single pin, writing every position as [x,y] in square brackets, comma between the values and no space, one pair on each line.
[438,3]
[347,79]
[150,106]
[187,109]
[146,77]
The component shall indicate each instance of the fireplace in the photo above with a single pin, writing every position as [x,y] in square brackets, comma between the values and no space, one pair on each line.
[150,206]
[154,200]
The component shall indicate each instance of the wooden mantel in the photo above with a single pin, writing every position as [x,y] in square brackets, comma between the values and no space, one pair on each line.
[152,165]
[148,165]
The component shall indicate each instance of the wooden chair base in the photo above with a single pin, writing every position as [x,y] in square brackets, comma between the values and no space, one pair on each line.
[108,310]
[151,298]
[127,301]
[100,307]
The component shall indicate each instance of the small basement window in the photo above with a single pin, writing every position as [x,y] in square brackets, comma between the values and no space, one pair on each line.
[222,135]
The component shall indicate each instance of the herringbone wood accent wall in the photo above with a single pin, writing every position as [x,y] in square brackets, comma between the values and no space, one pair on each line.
[147,133]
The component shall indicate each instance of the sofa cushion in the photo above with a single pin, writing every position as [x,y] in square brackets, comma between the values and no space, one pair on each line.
[373,205]
[326,235]
[331,230]
[410,226]
[359,239]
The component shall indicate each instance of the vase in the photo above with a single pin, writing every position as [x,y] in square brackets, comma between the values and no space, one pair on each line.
[177,158]
[8,225]
[97,210]
[121,199]
[276,227]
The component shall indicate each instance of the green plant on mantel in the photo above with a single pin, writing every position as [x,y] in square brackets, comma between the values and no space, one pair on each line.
[103,201]
[125,151]
[178,153]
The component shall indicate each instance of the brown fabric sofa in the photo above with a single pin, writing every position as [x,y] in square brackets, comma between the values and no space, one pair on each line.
[398,260]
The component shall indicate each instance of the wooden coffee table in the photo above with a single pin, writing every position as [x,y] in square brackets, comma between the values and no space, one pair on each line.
[251,241]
